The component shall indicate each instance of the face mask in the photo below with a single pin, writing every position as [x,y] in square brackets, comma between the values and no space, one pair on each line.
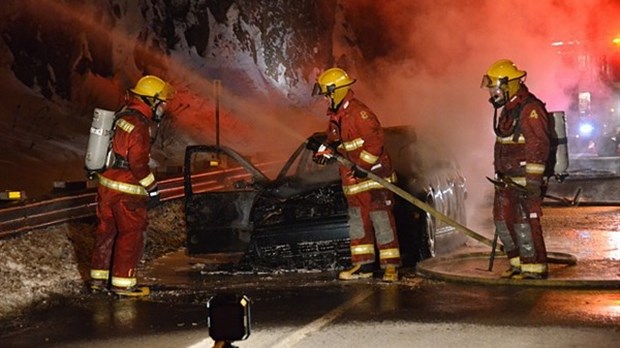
[496,89]
[498,97]
[159,110]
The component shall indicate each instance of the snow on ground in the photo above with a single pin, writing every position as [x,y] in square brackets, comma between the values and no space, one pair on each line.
[43,264]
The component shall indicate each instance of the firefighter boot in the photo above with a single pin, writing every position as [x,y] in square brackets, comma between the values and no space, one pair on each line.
[515,268]
[134,291]
[357,272]
[511,272]
[391,274]
[97,286]
[533,271]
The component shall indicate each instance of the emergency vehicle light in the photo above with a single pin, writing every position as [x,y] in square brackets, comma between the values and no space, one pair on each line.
[586,129]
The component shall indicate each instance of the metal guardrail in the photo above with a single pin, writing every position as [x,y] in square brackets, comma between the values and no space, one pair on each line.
[38,214]
[19,218]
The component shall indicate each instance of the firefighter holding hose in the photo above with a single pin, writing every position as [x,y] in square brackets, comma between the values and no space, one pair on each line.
[355,132]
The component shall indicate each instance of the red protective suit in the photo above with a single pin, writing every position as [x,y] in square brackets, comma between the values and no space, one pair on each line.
[521,153]
[360,135]
[122,200]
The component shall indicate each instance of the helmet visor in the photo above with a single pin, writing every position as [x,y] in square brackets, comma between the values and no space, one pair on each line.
[318,90]
[167,92]
[487,82]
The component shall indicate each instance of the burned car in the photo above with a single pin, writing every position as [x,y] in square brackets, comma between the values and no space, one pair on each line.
[299,219]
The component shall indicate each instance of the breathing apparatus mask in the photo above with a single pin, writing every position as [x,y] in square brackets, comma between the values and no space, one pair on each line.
[158,107]
[498,92]
[503,80]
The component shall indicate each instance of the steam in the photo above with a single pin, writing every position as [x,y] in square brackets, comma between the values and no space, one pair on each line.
[427,58]
[417,62]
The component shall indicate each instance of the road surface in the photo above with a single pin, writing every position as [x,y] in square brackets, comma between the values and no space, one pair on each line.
[309,309]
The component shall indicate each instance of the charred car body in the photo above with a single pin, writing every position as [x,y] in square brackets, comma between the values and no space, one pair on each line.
[299,219]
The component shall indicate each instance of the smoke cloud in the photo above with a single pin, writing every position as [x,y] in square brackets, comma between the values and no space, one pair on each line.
[427,59]
[417,62]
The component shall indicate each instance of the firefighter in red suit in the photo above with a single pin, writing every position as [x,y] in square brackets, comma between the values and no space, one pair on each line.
[355,133]
[522,150]
[126,189]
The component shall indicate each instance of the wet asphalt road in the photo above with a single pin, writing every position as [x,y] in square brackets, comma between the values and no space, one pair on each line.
[314,309]
[291,310]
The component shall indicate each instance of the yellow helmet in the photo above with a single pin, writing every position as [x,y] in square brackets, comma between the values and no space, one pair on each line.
[333,83]
[153,87]
[503,79]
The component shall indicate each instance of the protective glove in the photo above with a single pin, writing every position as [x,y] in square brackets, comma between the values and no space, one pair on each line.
[153,198]
[323,155]
[358,173]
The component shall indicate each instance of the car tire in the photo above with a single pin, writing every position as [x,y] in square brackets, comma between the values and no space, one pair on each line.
[427,243]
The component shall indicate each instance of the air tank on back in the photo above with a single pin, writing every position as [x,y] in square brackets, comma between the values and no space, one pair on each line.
[561,142]
[99,140]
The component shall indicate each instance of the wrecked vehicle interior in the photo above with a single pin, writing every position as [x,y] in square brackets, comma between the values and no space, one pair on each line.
[298,220]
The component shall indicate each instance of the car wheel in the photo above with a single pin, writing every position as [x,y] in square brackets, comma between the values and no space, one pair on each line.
[428,246]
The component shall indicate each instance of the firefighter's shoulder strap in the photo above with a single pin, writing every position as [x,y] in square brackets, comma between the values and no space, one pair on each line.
[119,161]
[122,113]
[516,116]
[516,113]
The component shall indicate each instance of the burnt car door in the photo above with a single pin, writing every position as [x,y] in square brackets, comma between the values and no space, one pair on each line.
[218,221]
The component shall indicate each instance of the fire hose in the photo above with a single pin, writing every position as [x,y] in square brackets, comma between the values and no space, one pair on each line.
[418,203]
[507,182]
[560,259]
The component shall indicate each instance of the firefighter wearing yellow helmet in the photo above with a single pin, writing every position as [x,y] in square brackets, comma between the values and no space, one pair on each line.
[503,79]
[334,84]
[154,92]
[355,132]
[521,154]
[126,189]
